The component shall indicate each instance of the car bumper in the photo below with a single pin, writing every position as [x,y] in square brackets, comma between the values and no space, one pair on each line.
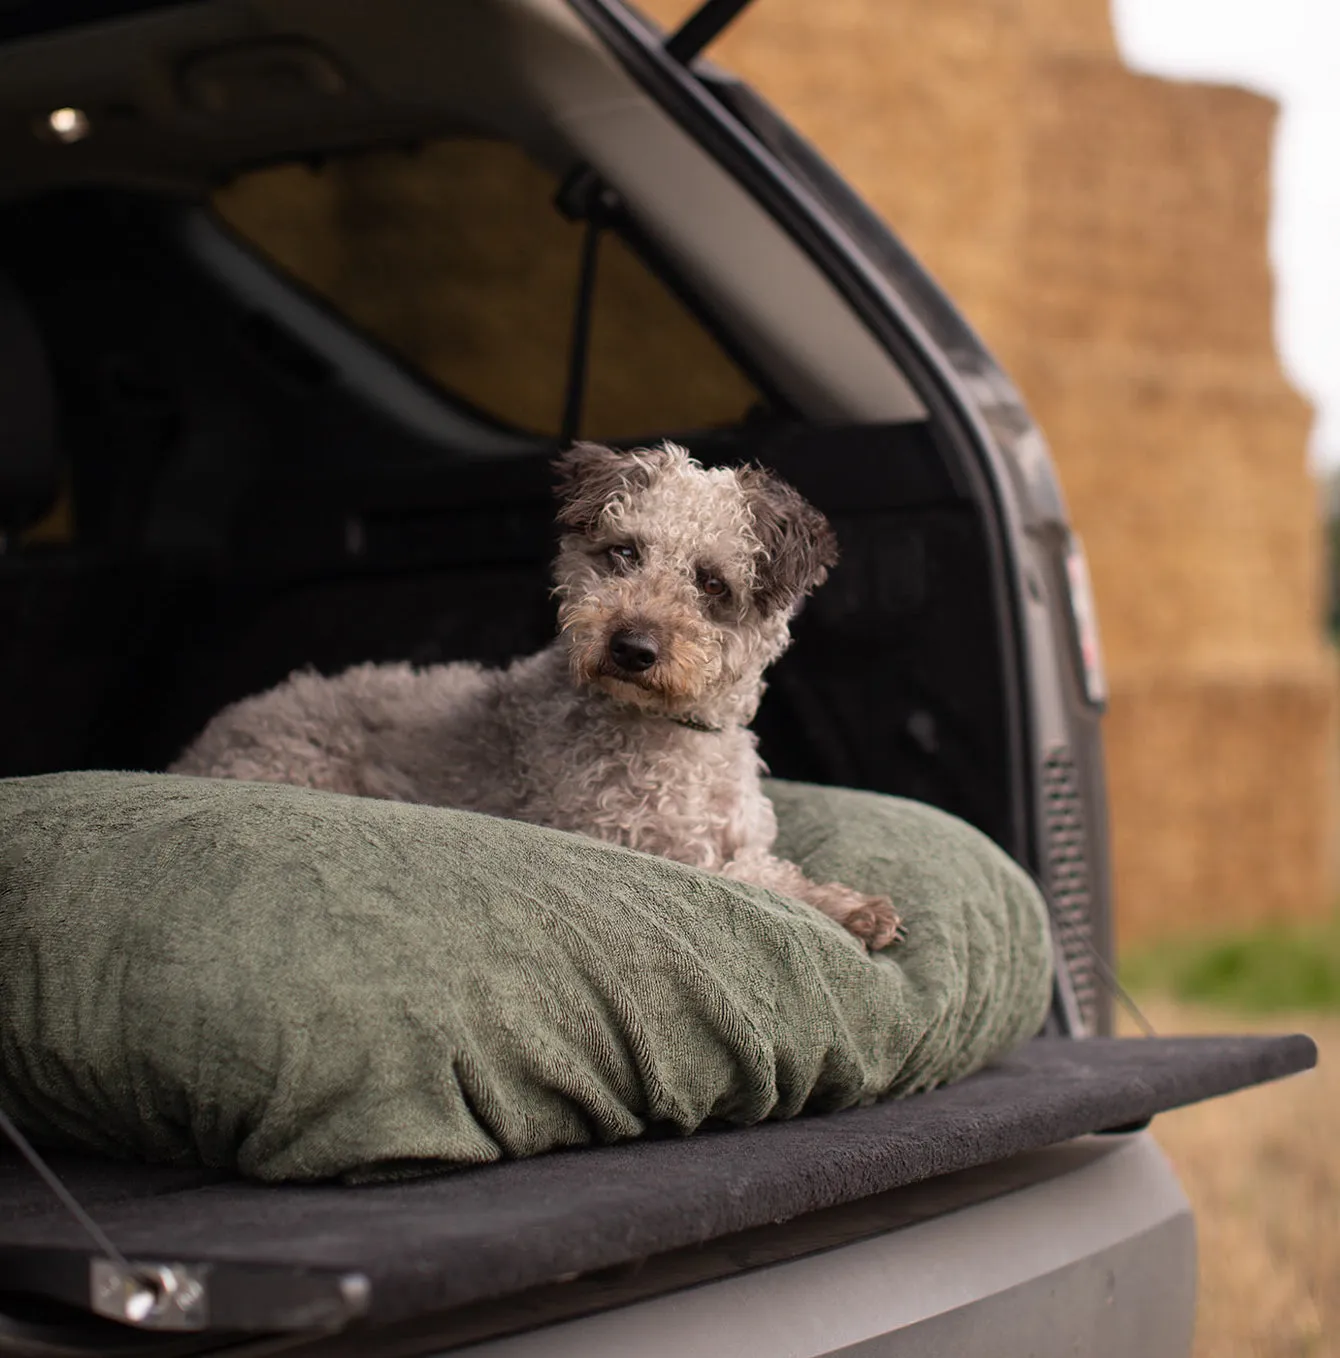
[1099,1259]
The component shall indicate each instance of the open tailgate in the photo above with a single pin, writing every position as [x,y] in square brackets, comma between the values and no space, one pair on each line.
[320,1258]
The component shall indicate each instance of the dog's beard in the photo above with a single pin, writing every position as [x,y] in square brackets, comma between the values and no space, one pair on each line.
[687,667]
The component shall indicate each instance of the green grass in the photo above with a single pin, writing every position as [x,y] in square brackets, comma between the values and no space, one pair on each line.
[1273,968]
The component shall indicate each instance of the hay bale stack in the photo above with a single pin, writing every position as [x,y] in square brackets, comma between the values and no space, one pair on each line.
[1106,232]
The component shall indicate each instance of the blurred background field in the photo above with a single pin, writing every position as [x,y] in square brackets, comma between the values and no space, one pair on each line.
[1262,1169]
[1268,970]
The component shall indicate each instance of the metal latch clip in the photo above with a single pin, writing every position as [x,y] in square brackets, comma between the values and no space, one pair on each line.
[149,1296]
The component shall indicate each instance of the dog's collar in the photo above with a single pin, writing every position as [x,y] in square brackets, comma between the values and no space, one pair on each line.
[687,722]
[693,724]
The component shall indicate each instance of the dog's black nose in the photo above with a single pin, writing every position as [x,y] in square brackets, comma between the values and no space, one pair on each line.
[633,651]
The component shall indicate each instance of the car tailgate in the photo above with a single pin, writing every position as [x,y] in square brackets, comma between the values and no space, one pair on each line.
[275,1258]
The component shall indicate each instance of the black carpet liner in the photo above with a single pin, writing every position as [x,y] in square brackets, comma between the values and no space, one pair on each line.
[432,1244]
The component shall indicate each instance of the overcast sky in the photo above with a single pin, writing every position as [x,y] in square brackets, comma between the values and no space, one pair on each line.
[1289,49]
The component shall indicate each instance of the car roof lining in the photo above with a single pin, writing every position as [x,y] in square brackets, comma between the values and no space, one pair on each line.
[526,70]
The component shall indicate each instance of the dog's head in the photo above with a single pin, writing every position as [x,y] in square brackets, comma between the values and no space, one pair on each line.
[678,583]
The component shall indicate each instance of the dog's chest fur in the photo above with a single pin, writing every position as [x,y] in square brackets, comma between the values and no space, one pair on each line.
[521,742]
[589,765]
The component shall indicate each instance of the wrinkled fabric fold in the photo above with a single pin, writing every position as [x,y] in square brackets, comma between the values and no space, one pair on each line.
[298,985]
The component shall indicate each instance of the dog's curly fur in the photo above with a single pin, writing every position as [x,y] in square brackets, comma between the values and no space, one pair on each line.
[700,571]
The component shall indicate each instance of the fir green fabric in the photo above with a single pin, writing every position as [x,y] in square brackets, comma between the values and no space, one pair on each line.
[299,985]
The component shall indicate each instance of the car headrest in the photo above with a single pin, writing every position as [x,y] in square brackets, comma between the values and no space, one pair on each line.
[29,460]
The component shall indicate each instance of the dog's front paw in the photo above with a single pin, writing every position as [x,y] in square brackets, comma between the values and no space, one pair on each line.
[873,920]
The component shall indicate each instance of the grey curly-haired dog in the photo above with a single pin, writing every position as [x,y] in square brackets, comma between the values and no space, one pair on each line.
[677,585]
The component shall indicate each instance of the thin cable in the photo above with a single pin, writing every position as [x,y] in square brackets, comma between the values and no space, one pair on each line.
[1105,972]
[1119,991]
[68,1200]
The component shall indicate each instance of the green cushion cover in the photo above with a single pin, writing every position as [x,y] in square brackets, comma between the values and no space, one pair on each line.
[300,985]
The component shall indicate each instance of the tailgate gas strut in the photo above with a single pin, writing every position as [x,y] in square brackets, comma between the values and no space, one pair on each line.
[701,27]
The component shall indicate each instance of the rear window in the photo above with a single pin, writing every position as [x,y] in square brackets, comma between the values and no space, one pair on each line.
[455,258]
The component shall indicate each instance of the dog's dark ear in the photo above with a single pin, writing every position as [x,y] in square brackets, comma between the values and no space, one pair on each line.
[589,474]
[799,545]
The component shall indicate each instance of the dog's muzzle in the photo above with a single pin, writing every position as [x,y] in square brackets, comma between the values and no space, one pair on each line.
[633,652]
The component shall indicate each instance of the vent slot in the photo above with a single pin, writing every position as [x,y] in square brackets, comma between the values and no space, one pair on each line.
[1065,845]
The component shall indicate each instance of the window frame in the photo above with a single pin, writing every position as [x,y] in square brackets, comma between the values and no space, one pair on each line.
[615,219]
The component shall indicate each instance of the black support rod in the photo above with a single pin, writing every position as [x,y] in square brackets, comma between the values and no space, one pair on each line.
[701,27]
[579,352]
[583,197]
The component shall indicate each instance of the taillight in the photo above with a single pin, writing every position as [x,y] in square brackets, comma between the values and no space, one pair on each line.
[1085,622]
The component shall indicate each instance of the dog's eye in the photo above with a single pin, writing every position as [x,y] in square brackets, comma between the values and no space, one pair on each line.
[622,553]
[712,585]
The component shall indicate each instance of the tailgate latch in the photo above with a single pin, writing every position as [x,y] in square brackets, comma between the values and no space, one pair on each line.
[150,1296]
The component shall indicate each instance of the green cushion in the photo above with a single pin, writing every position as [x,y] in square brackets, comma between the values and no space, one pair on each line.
[299,985]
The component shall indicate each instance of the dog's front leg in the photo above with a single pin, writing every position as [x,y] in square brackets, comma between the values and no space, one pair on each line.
[872,919]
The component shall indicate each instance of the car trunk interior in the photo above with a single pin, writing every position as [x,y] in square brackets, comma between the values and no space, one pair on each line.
[236,517]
